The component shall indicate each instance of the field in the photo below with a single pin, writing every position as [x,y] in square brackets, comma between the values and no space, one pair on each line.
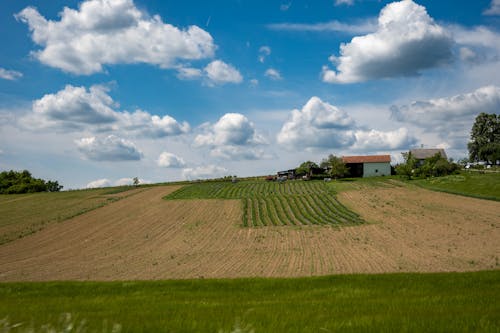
[144,237]
[470,183]
[24,214]
[446,302]
[274,203]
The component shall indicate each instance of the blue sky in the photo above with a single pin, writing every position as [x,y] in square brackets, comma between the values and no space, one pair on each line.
[97,92]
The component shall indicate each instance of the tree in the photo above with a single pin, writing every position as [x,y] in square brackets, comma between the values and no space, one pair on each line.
[484,144]
[13,182]
[136,181]
[306,168]
[335,166]
[407,168]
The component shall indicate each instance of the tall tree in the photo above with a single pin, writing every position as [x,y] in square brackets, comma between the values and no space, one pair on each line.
[484,144]
[335,166]
[306,168]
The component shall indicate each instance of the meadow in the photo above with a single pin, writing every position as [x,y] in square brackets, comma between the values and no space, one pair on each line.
[276,203]
[474,184]
[444,302]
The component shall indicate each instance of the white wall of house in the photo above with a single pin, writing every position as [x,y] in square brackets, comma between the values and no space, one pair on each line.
[376,169]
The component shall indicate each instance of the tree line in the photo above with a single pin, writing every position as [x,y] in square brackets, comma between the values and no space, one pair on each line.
[16,182]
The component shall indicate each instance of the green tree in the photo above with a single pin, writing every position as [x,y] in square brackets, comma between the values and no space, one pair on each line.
[306,168]
[335,166]
[407,169]
[484,144]
[13,182]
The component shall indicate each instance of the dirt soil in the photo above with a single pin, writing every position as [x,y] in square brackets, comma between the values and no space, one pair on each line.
[146,237]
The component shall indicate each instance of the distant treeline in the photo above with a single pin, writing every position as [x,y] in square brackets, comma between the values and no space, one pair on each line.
[15,182]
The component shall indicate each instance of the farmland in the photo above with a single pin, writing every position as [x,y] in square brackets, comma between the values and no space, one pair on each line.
[274,203]
[24,214]
[451,302]
[144,237]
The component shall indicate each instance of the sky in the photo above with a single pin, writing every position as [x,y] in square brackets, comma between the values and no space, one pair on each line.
[96,92]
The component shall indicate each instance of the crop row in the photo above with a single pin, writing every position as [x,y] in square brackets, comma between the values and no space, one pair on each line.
[271,203]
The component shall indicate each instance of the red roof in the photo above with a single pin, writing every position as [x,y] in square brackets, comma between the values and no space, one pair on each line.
[367,159]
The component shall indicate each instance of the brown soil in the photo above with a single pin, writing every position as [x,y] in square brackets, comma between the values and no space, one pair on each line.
[145,237]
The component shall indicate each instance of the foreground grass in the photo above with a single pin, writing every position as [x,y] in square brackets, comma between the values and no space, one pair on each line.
[444,302]
[24,214]
[473,184]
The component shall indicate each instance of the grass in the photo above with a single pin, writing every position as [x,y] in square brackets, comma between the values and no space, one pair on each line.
[273,203]
[24,214]
[443,302]
[472,184]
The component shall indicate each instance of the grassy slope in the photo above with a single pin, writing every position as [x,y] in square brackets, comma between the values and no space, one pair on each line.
[473,184]
[452,302]
[23,214]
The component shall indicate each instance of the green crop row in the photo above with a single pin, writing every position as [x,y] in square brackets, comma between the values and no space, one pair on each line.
[274,203]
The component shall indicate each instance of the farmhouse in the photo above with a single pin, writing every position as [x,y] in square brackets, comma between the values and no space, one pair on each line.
[421,154]
[368,166]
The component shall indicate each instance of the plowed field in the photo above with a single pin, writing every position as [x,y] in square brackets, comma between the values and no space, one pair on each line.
[146,237]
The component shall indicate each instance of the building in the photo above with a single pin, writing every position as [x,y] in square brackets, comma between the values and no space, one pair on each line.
[421,154]
[368,166]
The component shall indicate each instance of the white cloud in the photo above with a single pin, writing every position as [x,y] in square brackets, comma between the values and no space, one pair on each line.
[79,109]
[360,27]
[230,129]
[406,42]
[169,160]
[374,140]
[189,73]
[273,74]
[11,75]
[322,125]
[344,2]
[110,148]
[231,137]
[218,72]
[204,172]
[107,32]
[494,8]
[99,183]
[318,124]
[128,181]
[264,52]
[451,117]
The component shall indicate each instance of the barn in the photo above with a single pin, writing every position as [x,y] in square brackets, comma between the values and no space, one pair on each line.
[368,166]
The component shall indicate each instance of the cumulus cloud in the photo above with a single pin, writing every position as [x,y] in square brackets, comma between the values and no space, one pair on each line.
[129,181]
[218,72]
[322,125]
[189,73]
[450,117]
[79,108]
[317,124]
[264,52]
[110,148]
[494,8]
[204,172]
[99,183]
[273,74]
[11,75]
[169,160]
[232,136]
[107,32]
[230,129]
[373,140]
[406,42]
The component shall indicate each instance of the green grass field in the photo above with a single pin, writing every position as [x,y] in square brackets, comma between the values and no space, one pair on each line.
[445,302]
[24,214]
[473,184]
[274,203]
